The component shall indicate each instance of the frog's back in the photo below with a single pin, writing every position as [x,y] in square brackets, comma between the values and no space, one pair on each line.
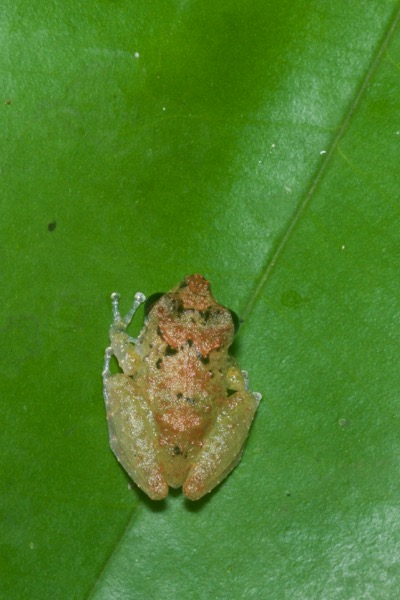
[186,395]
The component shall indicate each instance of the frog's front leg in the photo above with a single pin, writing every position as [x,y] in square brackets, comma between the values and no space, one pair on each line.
[223,446]
[132,432]
[121,342]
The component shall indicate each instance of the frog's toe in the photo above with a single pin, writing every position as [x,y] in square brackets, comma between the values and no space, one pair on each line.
[193,489]
[156,488]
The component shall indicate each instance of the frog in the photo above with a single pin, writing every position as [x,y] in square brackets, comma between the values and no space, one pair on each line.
[180,409]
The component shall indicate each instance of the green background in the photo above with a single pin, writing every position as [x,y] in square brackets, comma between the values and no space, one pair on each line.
[257,143]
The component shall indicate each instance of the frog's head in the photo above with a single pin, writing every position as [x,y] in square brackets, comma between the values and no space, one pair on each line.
[195,293]
[189,314]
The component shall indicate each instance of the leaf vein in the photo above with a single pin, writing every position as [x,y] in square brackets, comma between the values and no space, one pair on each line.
[308,196]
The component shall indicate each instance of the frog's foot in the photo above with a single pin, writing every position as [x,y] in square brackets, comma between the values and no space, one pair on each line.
[121,342]
[121,323]
[256,395]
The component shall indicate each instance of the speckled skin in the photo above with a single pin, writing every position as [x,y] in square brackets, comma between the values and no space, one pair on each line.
[180,412]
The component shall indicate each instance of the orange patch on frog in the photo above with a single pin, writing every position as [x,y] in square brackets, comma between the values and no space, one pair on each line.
[178,332]
[181,421]
[197,293]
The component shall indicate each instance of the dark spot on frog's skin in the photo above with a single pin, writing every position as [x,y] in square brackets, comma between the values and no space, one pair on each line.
[178,452]
[158,363]
[190,400]
[204,359]
[159,332]
[230,392]
[190,342]
[183,285]
[211,373]
[51,226]
[179,395]
[180,309]
[170,351]
[205,314]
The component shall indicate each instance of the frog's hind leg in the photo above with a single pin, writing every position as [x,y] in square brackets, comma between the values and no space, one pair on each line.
[222,449]
[132,433]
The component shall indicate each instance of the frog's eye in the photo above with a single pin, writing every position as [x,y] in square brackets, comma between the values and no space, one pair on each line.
[151,300]
[235,319]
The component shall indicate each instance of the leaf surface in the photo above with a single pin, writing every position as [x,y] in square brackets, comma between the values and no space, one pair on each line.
[257,143]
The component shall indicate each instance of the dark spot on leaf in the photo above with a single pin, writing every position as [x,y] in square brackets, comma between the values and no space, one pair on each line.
[292,299]
[51,226]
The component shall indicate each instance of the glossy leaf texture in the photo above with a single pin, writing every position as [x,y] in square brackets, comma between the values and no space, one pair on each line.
[257,143]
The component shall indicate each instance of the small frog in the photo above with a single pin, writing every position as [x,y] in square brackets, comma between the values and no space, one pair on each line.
[180,412]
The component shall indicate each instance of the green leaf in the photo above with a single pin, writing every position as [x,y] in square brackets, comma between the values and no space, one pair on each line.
[257,143]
